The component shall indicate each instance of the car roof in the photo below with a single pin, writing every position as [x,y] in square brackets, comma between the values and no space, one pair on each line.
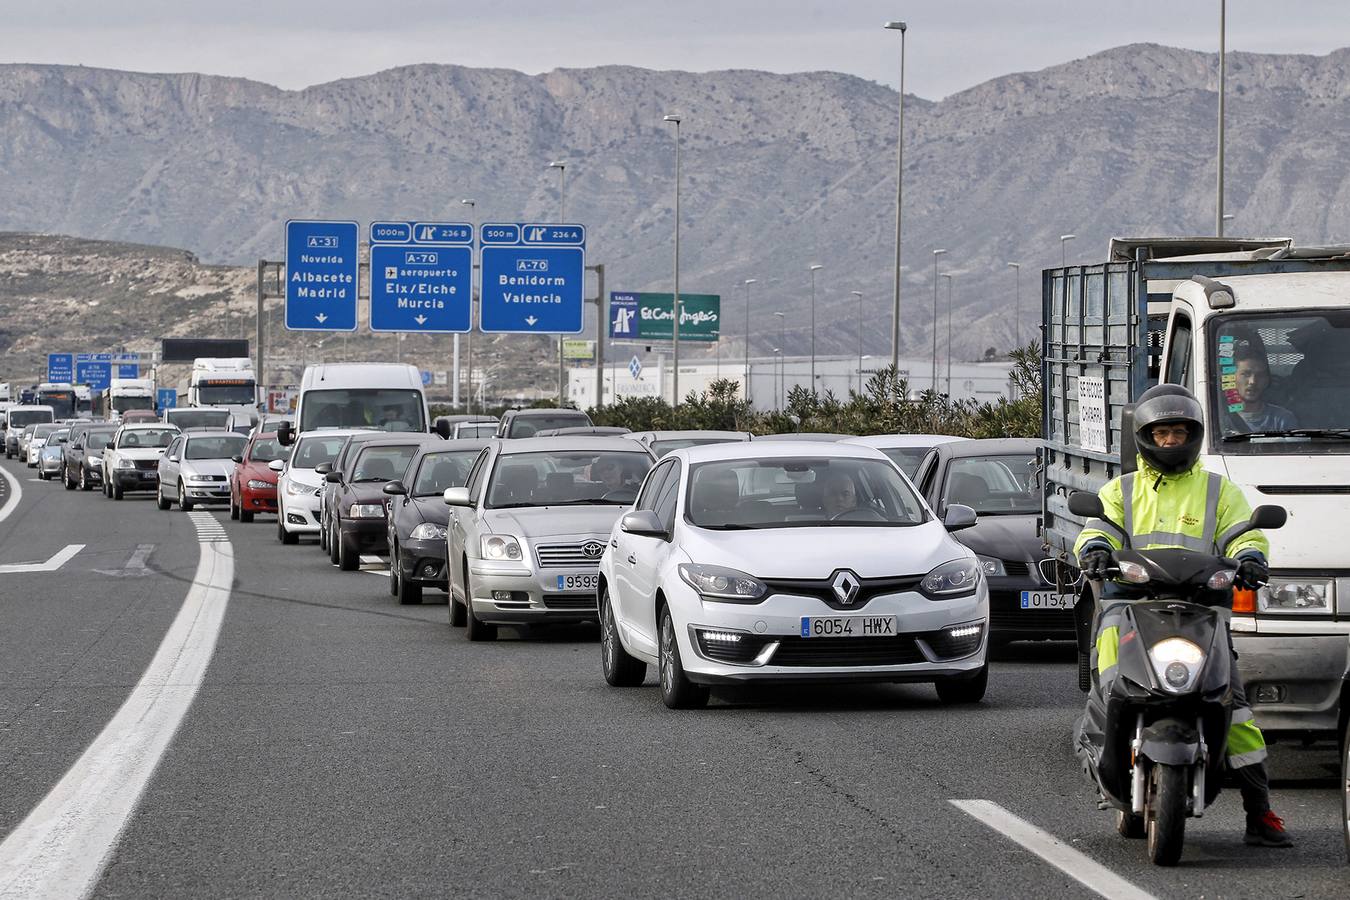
[403,438]
[895,441]
[194,433]
[146,426]
[464,418]
[690,434]
[334,432]
[988,447]
[548,411]
[774,450]
[453,444]
[823,437]
[579,442]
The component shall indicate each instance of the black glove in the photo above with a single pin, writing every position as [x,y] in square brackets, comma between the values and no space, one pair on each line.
[1251,573]
[1094,563]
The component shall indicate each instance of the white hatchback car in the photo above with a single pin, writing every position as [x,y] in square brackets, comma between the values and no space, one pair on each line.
[789,562]
[299,488]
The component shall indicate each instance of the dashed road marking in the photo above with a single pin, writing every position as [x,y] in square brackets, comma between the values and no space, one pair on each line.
[1083,869]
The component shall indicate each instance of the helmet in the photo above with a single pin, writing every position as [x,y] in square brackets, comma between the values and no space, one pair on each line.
[1168,404]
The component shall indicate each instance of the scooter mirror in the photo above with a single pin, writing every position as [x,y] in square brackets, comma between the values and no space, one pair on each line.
[1086,504]
[1268,517]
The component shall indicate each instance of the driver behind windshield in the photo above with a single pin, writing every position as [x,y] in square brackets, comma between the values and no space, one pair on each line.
[840,495]
[1253,378]
[612,473]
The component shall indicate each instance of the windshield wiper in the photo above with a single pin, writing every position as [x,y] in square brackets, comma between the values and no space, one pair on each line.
[588,501]
[367,480]
[733,526]
[1289,432]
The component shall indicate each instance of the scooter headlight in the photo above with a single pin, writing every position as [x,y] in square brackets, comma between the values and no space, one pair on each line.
[1176,662]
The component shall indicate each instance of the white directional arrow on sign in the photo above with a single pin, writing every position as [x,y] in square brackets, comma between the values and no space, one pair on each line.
[321,318]
[530,320]
[421,320]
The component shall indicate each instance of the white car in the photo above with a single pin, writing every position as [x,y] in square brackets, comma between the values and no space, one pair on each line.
[299,489]
[131,459]
[37,442]
[905,450]
[789,561]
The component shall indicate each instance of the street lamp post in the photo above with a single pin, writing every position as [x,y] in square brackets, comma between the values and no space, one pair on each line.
[473,296]
[858,294]
[747,283]
[1064,239]
[936,254]
[675,298]
[782,354]
[950,279]
[562,217]
[1017,314]
[1223,77]
[899,197]
[814,269]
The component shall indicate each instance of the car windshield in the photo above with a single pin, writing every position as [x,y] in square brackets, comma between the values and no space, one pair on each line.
[18,418]
[97,440]
[567,477]
[526,426]
[43,431]
[236,392]
[146,437]
[487,429]
[446,469]
[59,436]
[382,463]
[316,449]
[661,448]
[198,418]
[224,446]
[1279,384]
[993,485]
[382,409]
[266,450]
[907,458]
[799,492]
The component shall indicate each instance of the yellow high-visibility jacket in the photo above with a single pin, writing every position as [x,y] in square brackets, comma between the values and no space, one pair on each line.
[1196,510]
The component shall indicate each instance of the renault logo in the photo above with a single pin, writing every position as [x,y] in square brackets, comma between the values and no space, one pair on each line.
[592,549]
[845,586]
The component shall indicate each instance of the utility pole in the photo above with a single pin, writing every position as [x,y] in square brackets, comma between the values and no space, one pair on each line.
[859,295]
[562,217]
[950,279]
[1017,315]
[675,299]
[814,269]
[1223,77]
[747,283]
[936,254]
[473,297]
[601,324]
[899,198]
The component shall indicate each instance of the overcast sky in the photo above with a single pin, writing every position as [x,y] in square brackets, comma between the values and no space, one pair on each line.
[952,44]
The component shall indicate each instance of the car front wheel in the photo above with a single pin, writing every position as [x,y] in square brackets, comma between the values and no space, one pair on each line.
[621,670]
[677,691]
[963,688]
[183,502]
[476,629]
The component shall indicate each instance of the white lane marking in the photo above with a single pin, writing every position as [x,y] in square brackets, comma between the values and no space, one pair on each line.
[60,849]
[15,495]
[135,566]
[1083,869]
[59,559]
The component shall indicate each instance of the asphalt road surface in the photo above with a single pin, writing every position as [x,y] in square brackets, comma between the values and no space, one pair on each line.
[189,708]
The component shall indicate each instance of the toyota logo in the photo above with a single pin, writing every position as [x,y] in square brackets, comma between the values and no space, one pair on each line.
[845,586]
[592,549]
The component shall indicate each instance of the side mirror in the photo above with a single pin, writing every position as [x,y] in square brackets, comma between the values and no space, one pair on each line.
[77,446]
[333,478]
[643,523]
[457,496]
[1086,504]
[958,516]
[277,465]
[396,488]
[323,468]
[285,436]
[1268,517]
[442,428]
[238,457]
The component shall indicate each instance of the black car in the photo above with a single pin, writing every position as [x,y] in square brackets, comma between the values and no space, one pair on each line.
[521,423]
[417,516]
[356,520]
[339,463]
[82,465]
[999,480]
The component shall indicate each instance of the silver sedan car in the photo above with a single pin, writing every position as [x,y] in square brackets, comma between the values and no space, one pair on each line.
[526,534]
[196,468]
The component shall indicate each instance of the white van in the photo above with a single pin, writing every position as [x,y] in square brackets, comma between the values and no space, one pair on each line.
[382,396]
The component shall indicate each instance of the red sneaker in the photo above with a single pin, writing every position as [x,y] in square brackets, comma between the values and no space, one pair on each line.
[1267,830]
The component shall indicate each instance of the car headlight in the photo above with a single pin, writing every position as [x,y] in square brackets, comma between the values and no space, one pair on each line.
[296,489]
[95,460]
[428,531]
[1176,662]
[722,584]
[366,511]
[1313,596]
[201,478]
[257,485]
[124,464]
[501,546]
[990,565]
[957,578]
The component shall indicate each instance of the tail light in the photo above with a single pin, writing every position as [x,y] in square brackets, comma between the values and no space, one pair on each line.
[1244,601]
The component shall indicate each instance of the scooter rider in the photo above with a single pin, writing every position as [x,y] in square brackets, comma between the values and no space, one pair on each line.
[1171,501]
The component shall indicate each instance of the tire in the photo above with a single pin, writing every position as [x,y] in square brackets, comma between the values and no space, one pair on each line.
[234,510]
[245,516]
[393,572]
[475,628]
[1345,787]
[1084,672]
[66,479]
[323,535]
[183,502]
[677,691]
[160,502]
[42,476]
[965,689]
[349,555]
[409,593]
[287,537]
[621,670]
[1165,814]
[116,490]
[1129,825]
[458,612]
[332,548]
[84,480]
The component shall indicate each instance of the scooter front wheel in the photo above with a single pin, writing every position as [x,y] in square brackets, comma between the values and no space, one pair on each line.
[1165,815]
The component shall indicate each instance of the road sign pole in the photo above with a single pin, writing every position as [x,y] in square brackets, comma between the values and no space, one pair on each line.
[601,325]
[260,376]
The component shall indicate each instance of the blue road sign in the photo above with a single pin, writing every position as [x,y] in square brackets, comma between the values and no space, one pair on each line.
[533,278]
[98,375]
[321,275]
[421,276]
[426,378]
[166,398]
[128,370]
[635,367]
[60,368]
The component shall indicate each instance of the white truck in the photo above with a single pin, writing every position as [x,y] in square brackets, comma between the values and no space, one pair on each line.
[125,394]
[228,384]
[1260,332]
[382,396]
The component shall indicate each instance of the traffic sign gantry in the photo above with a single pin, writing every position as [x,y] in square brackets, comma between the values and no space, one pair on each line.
[321,275]
[533,278]
[61,368]
[95,373]
[421,276]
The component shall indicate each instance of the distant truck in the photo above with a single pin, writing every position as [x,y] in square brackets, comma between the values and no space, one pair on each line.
[228,384]
[1260,332]
[60,396]
[84,401]
[381,396]
[125,394]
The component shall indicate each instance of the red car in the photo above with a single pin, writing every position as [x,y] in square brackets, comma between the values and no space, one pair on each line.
[253,485]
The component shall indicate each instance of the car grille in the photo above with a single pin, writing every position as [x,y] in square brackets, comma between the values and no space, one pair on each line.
[146,463]
[821,589]
[887,651]
[567,556]
[1007,616]
[1014,568]
[583,602]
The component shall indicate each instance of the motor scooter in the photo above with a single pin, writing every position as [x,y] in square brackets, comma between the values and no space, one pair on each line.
[1153,737]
